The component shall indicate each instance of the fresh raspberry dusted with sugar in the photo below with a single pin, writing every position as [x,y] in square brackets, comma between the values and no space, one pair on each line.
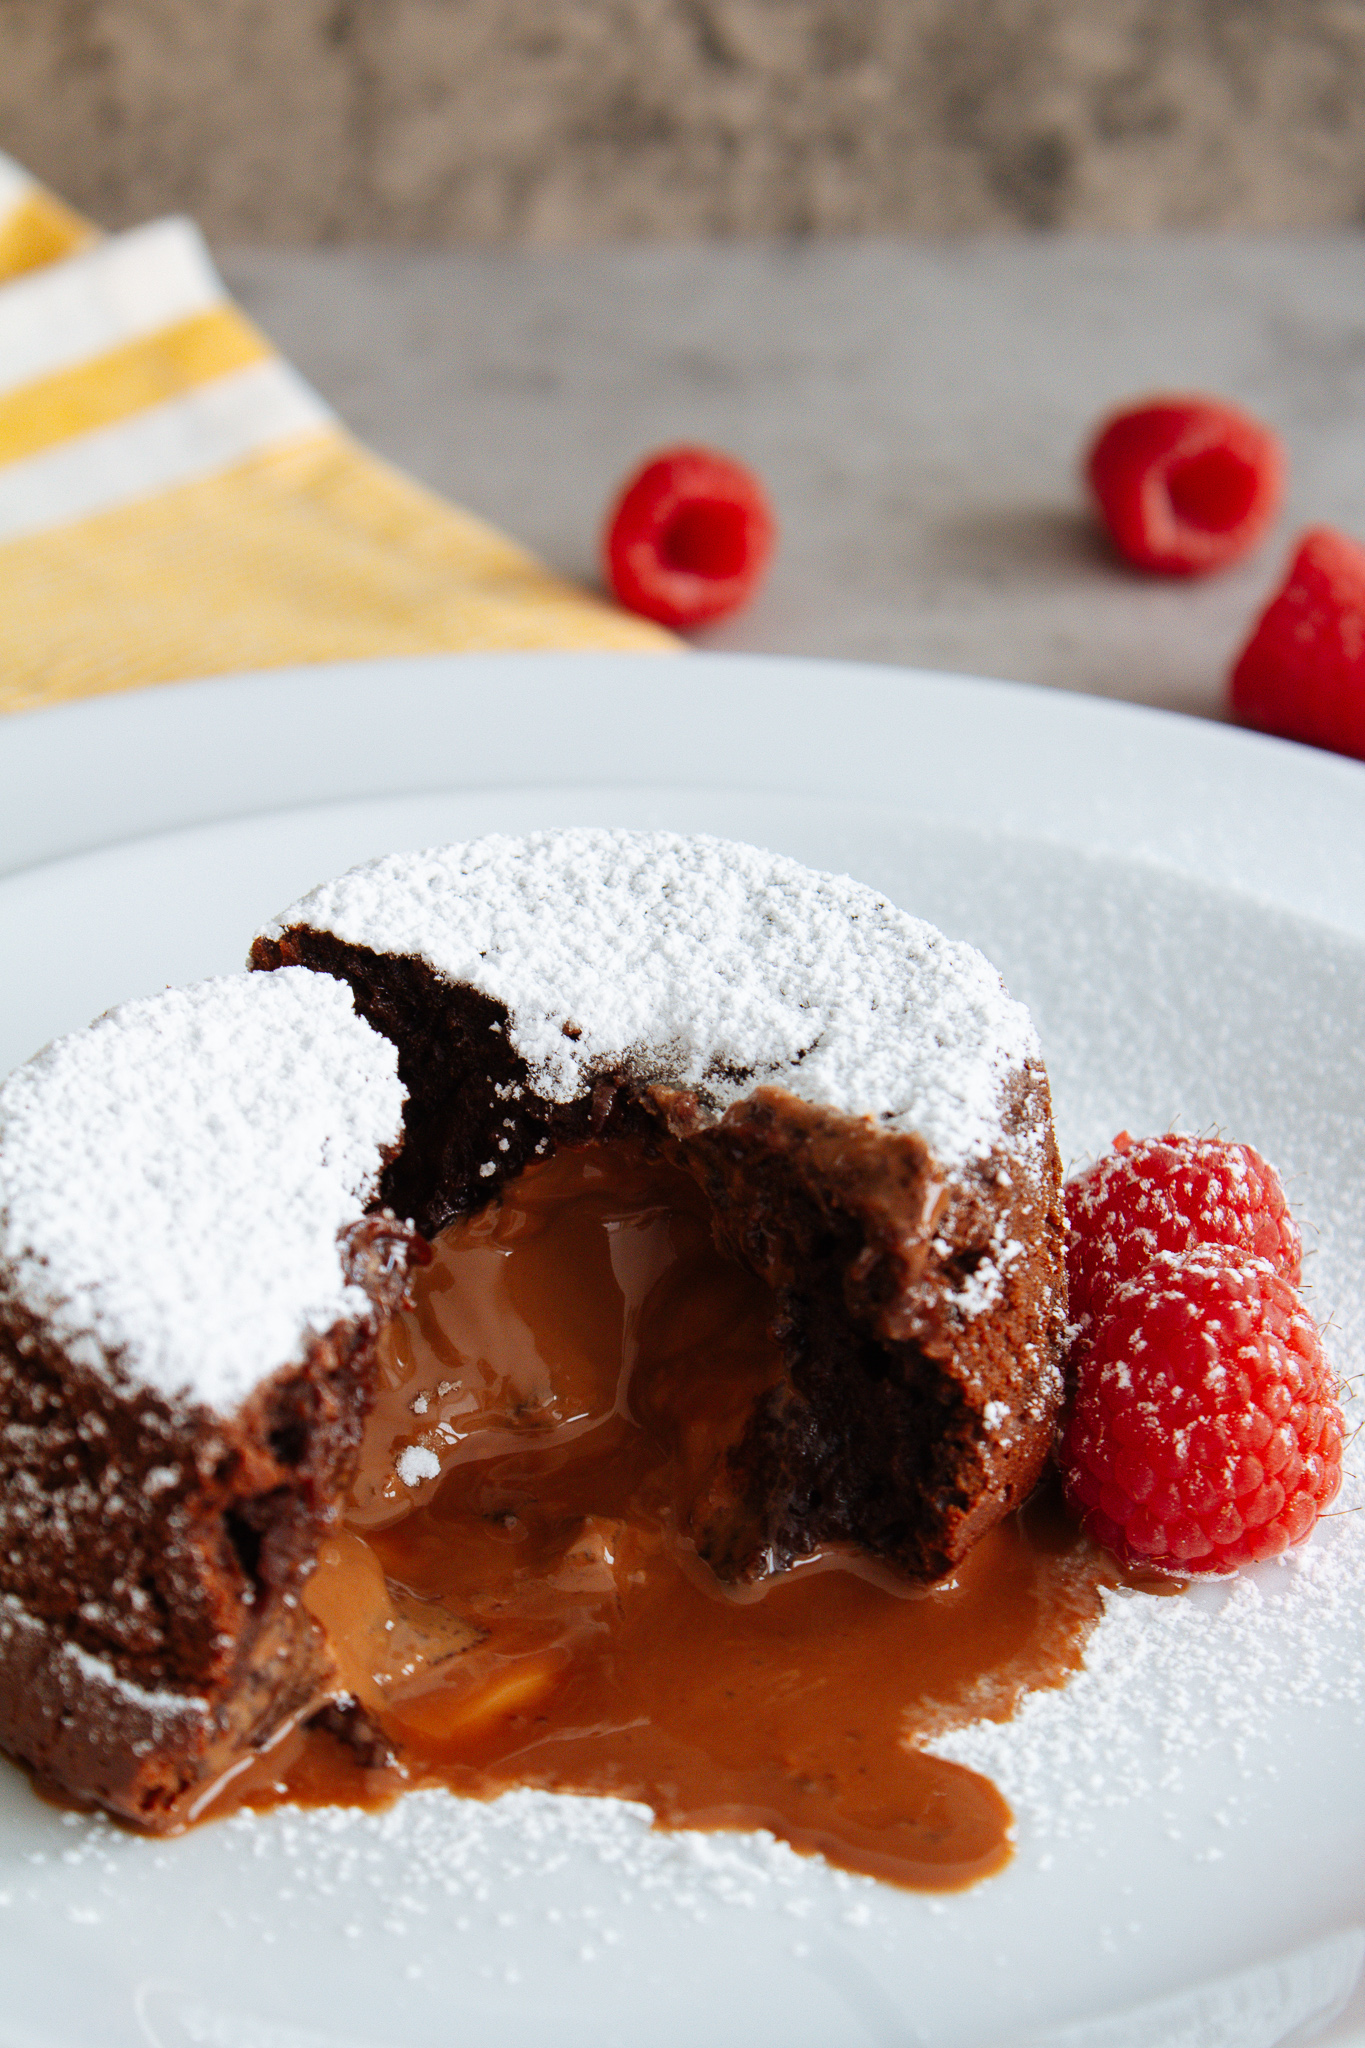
[1185,485]
[1302,673]
[1169,1194]
[689,537]
[1202,1432]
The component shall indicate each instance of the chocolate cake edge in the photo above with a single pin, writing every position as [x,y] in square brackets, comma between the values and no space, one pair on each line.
[153,1550]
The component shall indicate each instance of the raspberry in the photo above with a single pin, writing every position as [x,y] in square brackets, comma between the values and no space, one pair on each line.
[1169,1194]
[1185,485]
[1302,673]
[1202,1432]
[689,537]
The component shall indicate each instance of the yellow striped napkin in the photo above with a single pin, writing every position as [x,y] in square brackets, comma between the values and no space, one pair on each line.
[176,501]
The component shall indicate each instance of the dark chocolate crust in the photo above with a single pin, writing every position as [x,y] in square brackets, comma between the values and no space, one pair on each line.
[152,1552]
[904,1422]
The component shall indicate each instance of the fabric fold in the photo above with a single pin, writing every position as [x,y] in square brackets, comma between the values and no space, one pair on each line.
[176,501]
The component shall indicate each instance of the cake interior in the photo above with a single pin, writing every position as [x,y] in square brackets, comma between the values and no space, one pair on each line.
[897,1339]
[517,1595]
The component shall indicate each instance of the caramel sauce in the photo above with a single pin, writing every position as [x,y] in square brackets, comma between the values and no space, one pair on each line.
[515,1602]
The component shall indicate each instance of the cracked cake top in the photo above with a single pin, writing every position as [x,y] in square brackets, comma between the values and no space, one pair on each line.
[705,964]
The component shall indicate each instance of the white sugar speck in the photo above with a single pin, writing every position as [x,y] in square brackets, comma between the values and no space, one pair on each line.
[417,1463]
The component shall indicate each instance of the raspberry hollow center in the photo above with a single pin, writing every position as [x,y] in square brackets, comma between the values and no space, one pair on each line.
[1214,491]
[707,540]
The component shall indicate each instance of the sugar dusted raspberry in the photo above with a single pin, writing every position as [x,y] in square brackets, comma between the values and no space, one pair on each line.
[1202,1431]
[1185,485]
[689,537]
[1169,1194]
[1302,673]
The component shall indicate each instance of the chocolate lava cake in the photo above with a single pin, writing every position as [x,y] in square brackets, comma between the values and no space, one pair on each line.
[191,1287]
[208,1203]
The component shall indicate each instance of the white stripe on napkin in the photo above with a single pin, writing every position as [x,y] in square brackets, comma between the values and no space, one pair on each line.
[119,291]
[218,424]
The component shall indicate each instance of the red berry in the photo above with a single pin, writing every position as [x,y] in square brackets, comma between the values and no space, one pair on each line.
[1185,485]
[1169,1194]
[689,537]
[1302,673]
[1202,1432]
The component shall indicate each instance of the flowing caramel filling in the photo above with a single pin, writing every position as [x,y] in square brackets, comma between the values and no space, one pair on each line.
[514,1599]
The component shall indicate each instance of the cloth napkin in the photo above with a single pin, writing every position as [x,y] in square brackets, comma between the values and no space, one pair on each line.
[176,501]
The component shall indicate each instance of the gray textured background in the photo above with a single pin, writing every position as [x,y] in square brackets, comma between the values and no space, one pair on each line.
[916,410]
[554,121]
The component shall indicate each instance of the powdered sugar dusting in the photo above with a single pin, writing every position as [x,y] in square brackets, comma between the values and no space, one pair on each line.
[720,966]
[158,1700]
[463,1848]
[419,1876]
[1165,1685]
[173,1178]
[17,1623]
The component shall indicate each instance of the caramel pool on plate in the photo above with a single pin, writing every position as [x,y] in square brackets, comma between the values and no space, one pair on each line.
[514,1599]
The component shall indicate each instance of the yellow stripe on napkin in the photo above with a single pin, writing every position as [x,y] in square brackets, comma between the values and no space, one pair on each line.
[127,380]
[35,226]
[310,551]
[176,501]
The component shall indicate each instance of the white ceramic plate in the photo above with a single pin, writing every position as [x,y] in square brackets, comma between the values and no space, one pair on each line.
[1184,908]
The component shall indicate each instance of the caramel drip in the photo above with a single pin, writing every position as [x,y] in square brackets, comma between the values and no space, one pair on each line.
[515,1601]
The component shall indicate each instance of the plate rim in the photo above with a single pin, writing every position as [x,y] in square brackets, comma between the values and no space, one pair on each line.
[1239,808]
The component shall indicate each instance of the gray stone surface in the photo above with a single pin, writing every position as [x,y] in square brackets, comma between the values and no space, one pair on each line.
[555,121]
[916,411]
